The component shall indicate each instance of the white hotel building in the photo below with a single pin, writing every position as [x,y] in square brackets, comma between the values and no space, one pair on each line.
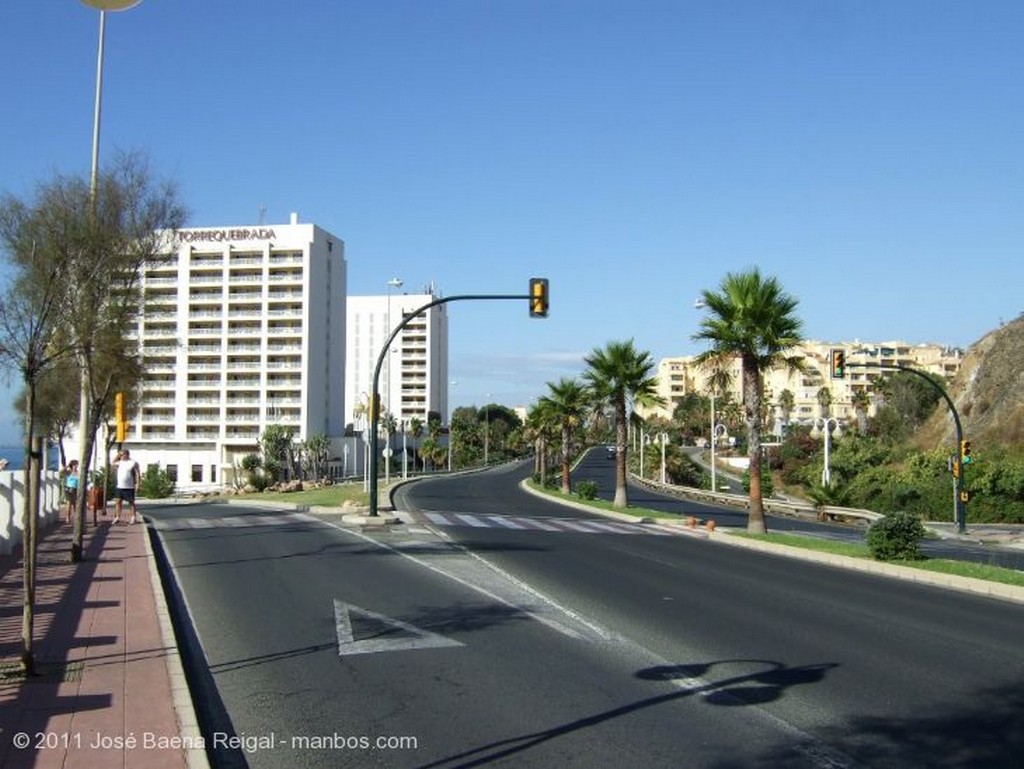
[414,377]
[241,328]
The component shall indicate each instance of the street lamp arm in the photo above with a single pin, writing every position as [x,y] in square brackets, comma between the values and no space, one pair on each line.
[961,512]
[374,394]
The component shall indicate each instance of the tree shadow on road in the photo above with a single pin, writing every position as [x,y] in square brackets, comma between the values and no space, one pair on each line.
[763,685]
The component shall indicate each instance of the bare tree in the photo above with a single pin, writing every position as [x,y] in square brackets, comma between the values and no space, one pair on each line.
[29,344]
[121,229]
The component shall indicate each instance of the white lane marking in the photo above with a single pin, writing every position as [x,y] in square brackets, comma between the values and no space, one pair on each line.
[551,623]
[501,520]
[409,636]
[472,520]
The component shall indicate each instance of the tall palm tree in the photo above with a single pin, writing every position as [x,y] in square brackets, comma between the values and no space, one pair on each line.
[620,376]
[752,317]
[861,402]
[540,424]
[825,400]
[568,403]
[416,428]
[787,402]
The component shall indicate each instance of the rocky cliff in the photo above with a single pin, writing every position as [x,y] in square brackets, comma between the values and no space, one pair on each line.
[988,392]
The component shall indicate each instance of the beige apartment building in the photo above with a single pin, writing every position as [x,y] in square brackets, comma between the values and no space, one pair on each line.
[678,377]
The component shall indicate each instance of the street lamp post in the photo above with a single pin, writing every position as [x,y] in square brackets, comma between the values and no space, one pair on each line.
[827,426]
[716,430]
[388,451]
[102,6]
[663,440]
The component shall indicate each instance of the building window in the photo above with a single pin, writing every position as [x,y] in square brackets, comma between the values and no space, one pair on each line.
[197,473]
[213,473]
[172,472]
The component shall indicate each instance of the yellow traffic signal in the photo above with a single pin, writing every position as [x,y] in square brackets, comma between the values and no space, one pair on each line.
[838,358]
[122,432]
[965,452]
[538,297]
[119,407]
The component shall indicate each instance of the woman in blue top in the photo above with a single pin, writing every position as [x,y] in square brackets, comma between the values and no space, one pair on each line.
[71,487]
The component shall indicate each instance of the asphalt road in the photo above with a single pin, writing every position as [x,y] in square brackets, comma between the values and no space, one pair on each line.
[526,634]
[597,467]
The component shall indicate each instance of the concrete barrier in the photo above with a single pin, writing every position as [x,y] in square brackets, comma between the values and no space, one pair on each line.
[12,505]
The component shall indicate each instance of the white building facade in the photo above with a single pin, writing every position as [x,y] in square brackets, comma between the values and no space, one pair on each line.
[414,376]
[241,328]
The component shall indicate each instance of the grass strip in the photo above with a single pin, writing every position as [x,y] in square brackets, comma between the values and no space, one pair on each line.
[854,550]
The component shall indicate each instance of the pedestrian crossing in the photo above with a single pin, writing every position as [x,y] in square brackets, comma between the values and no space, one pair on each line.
[231,521]
[563,525]
[445,520]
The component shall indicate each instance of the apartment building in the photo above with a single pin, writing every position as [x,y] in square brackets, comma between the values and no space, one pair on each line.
[414,376]
[678,377]
[241,328]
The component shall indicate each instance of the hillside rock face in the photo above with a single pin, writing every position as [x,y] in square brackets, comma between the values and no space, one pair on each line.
[988,392]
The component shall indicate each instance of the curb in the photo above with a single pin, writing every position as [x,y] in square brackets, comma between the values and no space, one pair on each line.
[953,581]
[984,587]
[188,723]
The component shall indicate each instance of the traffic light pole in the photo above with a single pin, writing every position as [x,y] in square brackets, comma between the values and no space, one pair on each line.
[374,394]
[958,478]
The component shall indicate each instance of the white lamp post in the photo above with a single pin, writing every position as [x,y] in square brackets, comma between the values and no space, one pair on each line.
[103,6]
[828,427]
[663,440]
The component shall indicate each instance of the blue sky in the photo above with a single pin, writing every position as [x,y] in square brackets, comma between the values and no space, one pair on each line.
[867,153]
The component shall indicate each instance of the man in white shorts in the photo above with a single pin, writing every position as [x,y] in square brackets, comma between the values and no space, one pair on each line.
[128,477]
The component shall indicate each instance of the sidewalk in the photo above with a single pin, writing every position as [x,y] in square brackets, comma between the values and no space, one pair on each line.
[110,689]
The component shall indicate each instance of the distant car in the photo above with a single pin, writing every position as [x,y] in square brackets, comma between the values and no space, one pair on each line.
[609,452]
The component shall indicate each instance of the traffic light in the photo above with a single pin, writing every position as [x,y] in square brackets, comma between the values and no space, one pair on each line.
[120,423]
[838,363]
[538,297]
[965,452]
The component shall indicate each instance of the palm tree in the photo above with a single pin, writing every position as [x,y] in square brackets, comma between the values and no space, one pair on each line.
[620,376]
[751,317]
[787,402]
[540,423]
[416,428]
[568,403]
[861,401]
[824,400]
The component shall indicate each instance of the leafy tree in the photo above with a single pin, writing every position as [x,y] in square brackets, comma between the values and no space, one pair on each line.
[156,483]
[751,317]
[277,447]
[619,375]
[315,452]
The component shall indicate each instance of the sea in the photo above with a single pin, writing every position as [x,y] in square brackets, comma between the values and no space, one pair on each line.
[15,456]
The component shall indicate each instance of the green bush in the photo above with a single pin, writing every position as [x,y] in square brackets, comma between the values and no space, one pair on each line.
[586,489]
[156,483]
[896,537]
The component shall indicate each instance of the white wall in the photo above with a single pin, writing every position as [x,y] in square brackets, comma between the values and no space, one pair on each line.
[12,504]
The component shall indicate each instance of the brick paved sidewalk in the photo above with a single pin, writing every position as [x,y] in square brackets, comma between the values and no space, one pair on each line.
[109,668]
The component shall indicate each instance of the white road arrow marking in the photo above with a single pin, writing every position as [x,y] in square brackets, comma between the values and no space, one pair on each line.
[387,634]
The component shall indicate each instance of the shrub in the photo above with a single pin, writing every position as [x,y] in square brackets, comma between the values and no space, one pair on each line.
[156,483]
[896,537]
[586,489]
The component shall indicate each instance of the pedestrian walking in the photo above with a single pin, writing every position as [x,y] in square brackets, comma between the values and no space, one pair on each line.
[71,487]
[128,477]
